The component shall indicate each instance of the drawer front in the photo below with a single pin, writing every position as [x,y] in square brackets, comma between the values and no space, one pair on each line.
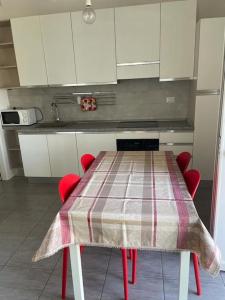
[176,148]
[176,137]
[138,135]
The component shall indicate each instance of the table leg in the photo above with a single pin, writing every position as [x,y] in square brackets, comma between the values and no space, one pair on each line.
[184,275]
[76,267]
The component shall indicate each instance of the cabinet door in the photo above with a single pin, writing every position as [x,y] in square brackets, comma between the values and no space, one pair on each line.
[35,157]
[94,47]
[63,154]
[211,53]
[29,51]
[205,134]
[178,25]
[94,143]
[58,48]
[137,41]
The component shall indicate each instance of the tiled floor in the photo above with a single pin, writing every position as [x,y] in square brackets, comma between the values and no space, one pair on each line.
[26,211]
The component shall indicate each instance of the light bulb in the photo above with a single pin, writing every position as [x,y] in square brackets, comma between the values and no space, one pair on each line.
[89,15]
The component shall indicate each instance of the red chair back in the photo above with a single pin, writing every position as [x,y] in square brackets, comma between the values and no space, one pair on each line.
[183,160]
[67,184]
[86,161]
[192,179]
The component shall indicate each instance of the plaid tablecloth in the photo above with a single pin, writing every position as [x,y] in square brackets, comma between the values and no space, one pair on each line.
[132,200]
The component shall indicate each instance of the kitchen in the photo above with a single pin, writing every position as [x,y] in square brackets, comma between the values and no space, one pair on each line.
[140,76]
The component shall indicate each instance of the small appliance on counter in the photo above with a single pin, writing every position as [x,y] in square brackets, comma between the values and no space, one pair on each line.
[18,117]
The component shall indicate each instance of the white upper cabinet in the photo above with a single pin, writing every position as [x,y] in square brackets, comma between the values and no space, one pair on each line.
[137,41]
[178,26]
[210,53]
[94,47]
[29,51]
[58,48]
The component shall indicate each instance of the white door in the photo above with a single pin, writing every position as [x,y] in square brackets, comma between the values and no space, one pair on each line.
[94,47]
[35,157]
[210,54]
[137,41]
[205,134]
[93,143]
[29,51]
[63,154]
[58,48]
[178,26]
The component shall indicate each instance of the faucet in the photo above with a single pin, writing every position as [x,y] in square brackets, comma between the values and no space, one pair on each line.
[56,110]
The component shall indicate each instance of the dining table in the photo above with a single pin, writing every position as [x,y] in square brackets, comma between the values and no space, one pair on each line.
[132,200]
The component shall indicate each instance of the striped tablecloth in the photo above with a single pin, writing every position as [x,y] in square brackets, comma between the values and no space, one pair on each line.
[132,200]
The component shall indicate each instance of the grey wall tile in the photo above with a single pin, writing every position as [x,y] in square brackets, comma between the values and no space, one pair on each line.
[135,100]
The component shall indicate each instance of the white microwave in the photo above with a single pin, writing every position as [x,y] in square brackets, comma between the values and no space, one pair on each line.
[19,117]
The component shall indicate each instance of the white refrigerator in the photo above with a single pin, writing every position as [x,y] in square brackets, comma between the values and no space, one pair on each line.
[209,121]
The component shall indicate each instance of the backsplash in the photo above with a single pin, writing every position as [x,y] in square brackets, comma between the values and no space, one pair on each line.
[141,99]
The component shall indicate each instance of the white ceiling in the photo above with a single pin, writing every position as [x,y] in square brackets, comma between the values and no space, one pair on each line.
[17,8]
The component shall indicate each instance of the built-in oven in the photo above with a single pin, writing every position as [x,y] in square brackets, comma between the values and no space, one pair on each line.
[137,144]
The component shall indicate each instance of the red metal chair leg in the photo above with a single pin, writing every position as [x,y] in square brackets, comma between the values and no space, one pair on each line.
[130,254]
[64,271]
[81,249]
[125,273]
[134,266]
[197,274]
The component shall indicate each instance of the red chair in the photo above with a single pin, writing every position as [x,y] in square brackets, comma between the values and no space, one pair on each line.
[183,160]
[86,161]
[192,179]
[66,185]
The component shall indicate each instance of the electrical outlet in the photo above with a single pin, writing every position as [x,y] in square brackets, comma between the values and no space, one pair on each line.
[170,100]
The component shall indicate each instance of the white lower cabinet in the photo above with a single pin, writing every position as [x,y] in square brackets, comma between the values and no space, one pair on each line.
[62,154]
[94,143]
[35,156]
[55,155]
[176,141]
[51,155]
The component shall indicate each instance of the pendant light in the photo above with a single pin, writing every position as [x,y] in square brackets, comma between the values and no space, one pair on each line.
[89,15]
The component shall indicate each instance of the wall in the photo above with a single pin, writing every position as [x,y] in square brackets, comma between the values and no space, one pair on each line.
[140,99]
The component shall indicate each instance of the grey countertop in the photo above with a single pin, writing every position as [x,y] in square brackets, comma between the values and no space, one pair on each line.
[102,126]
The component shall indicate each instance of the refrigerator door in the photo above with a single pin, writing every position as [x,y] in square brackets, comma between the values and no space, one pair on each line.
[205,135]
